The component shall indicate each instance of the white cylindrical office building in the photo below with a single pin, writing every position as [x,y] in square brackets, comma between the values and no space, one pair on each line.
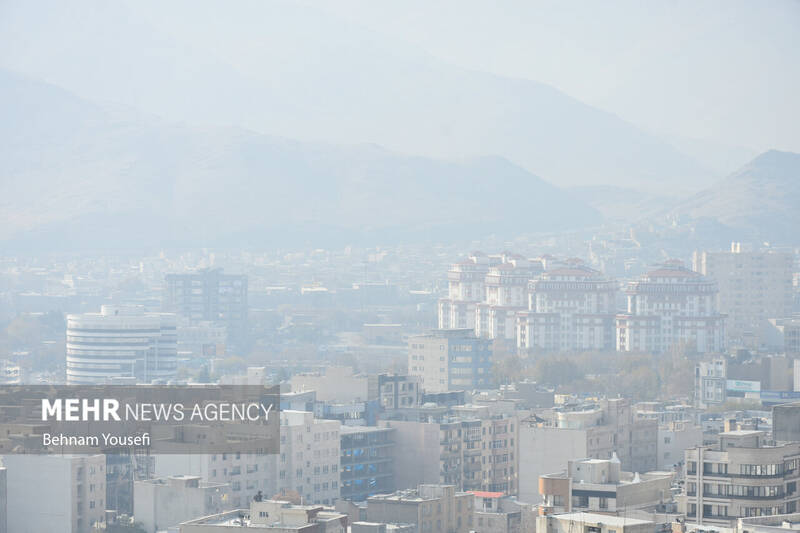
[121,343]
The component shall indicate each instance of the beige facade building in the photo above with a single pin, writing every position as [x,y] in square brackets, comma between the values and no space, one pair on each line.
[72,489]
[309,458]
[592,523]
[244,473]
[308,463]
[271,516]
[485,293]
[337,384]
[753,287]
[166,502]
[568,309]
[506,295]
[742,476]
[473,454]
[450,359]
[465,290]
[496,513]
[600,485]
[595,431]
[433,508]
[671,307]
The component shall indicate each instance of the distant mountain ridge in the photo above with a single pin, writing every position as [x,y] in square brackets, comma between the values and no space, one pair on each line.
[79,174]
[249,66]
[761,200]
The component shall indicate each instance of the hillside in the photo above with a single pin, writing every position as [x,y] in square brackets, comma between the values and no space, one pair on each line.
[78,174]
[293,70]
[760,201]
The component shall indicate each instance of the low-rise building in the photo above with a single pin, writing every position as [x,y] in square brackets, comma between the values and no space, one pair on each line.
[497,513]
[438,508]
[768,524]
[592,523]
[596,431]
[600,485]
[271,515]
[375,527]
[336,384]
[166,502]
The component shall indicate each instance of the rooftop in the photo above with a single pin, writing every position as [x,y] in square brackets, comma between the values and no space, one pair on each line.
[597,518]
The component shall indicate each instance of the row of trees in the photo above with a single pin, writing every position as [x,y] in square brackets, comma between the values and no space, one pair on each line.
[640,376]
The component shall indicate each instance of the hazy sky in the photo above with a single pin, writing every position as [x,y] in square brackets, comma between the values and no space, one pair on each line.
[723,71]
[726,71]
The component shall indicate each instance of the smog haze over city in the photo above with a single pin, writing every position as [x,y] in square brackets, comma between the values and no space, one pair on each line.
[527,266]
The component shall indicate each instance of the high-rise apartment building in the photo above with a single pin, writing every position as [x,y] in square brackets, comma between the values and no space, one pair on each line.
[506,295]
[485,293]
[367,462]
[450,359]
[71,488]
[309,458]
[121,342]
[753,287]
[466,288]
[670,307]
[472,453]
[308,464]
[742,476]
[569,309]
[210,295]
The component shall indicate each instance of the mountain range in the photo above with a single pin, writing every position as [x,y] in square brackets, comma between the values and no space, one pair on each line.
[760,201]
[78,174]
[293,70]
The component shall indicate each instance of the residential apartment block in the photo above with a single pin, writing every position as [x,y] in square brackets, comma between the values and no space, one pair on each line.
[210,295]
[309,458]
[471,453]
[568,309]
[432,508]
[367,462]
[162,503]
[753,287]
[671,307]
[594,431]
[450,359]
[742,476]
[270,515]
[72,487]
[600,485]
